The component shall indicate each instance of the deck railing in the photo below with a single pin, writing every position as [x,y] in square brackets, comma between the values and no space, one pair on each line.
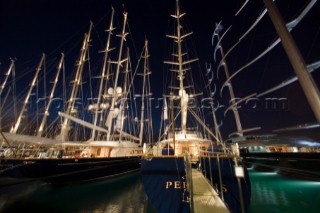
[188,171]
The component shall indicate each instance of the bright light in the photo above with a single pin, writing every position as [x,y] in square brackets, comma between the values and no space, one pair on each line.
[239,171]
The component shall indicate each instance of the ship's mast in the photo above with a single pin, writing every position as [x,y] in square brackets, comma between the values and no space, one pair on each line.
[46,113]
[116,92]
[180,63]
[7,76]
[104,105]
[144,91]
[123,103]
[306,81]
[179,40]
[17,124]
[231,91]
[76,83]
[106,50]
[3,86]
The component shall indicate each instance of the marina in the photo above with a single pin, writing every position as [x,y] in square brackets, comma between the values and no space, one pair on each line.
[219,119]
[271,193]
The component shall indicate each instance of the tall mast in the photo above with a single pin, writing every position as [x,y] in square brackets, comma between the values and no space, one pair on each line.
[46,113]
[184,97]
[7,76]
[3,86]
[104,105]
[116,93]
[121,115]
[179,40]
[231,92]
[76,83]
[144,92]
[106,50]
[306,81]
[17,124]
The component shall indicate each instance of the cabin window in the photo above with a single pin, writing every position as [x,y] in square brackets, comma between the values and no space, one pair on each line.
[98,151]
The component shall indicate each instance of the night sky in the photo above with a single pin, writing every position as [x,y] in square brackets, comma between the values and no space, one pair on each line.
[30,28]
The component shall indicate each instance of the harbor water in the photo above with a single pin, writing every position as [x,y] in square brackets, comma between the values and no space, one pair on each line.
[271,193]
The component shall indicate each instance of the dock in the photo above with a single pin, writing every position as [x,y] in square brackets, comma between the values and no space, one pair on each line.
[205,198]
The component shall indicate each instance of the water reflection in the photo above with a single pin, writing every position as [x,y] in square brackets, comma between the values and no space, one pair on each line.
[10,195]
[271,193]
[274,193]
[123,194]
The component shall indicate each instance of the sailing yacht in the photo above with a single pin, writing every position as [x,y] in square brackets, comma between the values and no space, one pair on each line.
[188,151]
[112,149]
[283,150]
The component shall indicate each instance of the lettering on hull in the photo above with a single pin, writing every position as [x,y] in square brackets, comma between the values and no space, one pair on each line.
[176,184]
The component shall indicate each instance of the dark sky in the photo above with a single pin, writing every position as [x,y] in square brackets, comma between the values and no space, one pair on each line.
[29,28]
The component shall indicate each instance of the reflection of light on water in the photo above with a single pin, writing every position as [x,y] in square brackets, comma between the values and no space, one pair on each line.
[120,195]
[302,184]
[265,174]
[283,198]
[269,196]
[272,192]
[264,192]
[123,194]
[310,183]
[13,193]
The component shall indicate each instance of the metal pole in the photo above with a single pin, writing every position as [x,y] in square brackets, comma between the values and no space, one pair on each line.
[209,158]
[305,79]
[173,126]
[220,177]
[232,96]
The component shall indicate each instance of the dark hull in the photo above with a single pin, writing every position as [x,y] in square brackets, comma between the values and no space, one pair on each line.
[164,181]
[61,171]
[298,165]
[230,186]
